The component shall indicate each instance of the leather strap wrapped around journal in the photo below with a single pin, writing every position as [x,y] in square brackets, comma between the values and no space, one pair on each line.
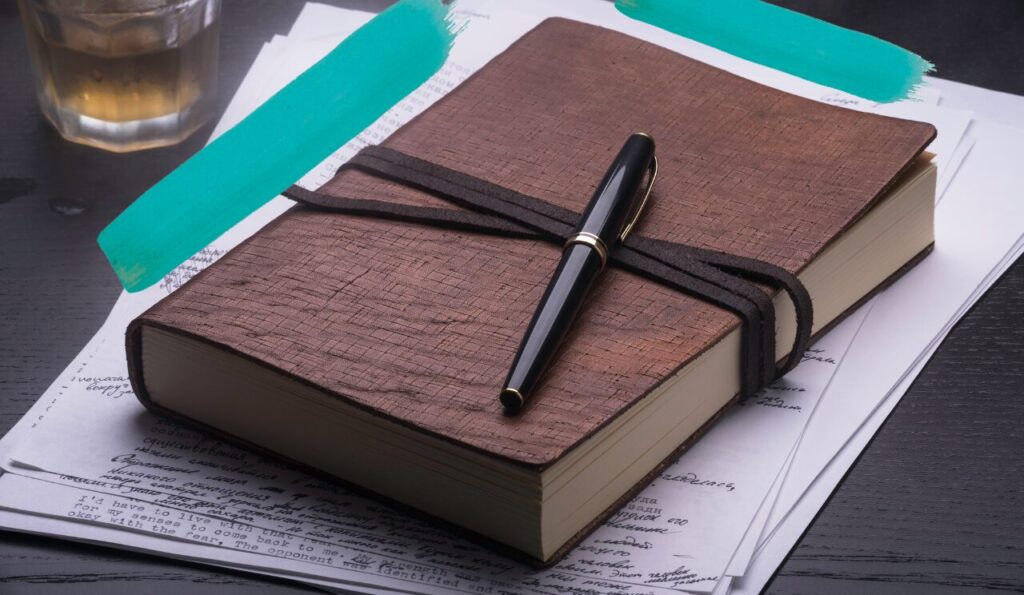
[369,328]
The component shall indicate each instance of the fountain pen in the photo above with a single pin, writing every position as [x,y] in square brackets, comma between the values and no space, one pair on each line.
[607,220]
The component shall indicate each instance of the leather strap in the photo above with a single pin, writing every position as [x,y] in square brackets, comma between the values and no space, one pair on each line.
[725,280]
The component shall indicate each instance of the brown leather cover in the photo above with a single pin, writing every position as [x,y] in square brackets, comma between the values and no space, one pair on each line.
[419,324]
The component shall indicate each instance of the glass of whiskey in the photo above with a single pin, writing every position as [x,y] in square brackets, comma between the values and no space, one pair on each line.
[124,75]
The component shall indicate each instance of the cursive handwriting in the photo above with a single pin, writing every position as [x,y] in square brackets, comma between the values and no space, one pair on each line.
[114,387]
[815,355]
[692,479]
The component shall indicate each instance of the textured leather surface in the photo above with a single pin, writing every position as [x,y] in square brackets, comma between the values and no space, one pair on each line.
[420,324]
[724,280]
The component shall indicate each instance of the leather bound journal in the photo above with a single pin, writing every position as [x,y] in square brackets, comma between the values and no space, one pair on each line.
[366,332]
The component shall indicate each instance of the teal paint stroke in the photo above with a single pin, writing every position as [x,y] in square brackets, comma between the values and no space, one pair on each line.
[291,133]
[791,42]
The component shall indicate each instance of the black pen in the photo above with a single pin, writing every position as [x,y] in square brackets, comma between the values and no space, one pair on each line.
[607,220]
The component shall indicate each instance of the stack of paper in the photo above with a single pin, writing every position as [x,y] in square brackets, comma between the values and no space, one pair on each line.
[89,463]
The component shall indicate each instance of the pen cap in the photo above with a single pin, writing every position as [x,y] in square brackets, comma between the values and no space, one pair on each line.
[614,200]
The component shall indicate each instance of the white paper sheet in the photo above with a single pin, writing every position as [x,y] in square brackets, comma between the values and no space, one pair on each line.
[996,108]
[61,526]
[979,222]
[988,183]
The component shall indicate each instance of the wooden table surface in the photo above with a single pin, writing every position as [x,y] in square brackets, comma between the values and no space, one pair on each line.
[934,505]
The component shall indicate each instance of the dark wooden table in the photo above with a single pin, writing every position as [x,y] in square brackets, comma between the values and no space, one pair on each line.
[934,505]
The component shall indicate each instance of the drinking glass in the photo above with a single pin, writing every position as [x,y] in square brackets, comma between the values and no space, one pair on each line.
[124,75]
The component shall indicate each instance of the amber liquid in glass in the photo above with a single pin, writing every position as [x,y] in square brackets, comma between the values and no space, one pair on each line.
[125,92]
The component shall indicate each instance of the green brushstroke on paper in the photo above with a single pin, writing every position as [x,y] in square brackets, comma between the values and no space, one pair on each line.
[791,42]
[291,133]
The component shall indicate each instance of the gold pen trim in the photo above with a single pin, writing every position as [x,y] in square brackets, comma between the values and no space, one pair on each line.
[511,398]
[589,239]
[653,168]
